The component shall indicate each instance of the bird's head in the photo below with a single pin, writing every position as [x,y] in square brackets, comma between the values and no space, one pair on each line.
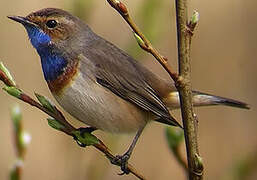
[58,38]
[49,26]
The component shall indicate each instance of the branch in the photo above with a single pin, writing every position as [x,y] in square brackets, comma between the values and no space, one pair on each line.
[184,35]
[182,81]
[21,141]
[58,121]
[143,42]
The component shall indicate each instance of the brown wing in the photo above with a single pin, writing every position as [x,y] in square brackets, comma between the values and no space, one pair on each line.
[125,77]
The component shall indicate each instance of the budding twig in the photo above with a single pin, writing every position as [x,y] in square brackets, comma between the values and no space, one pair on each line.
[21,141]
[143,42]
[184,37]
[182,80]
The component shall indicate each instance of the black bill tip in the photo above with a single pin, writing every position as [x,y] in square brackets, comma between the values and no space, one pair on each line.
[22,20]
[19,19]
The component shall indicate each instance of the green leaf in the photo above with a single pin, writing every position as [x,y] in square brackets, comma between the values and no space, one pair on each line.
[139,40]
[55,124]
[45,102]
[195,17]
[13,91]
[199,161]
[7,73]
[86,138]
[174,137]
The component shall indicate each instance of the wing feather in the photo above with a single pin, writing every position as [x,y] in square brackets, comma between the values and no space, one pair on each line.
[124,76]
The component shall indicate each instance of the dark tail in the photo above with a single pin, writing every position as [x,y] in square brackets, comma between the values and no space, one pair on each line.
[204,99]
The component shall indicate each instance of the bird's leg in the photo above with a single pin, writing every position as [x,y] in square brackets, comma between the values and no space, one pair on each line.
[125,157]
[84,130]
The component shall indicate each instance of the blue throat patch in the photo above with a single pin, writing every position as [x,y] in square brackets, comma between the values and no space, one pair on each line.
[37,37]
[53,65]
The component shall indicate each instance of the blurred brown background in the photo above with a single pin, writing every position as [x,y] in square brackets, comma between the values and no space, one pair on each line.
[223,63]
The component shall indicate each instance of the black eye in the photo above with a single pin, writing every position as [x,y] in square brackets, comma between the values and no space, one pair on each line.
[51,23]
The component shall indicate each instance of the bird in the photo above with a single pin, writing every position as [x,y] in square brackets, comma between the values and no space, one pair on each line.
[98,83]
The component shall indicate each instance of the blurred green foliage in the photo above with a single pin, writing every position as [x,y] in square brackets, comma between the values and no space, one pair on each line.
[174,137]
[82,8]
[242,168]
[21,141]
[148,19]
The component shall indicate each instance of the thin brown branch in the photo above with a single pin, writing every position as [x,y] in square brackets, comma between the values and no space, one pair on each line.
[184,35]
[68,128]
[5,79]
[69,131]
[19,145]
[147,46]
[182,81]
[111,157]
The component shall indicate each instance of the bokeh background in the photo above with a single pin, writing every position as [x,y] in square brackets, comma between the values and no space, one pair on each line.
[223,63]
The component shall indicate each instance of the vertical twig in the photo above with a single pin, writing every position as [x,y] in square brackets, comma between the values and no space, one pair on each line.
[184,35]
[21,141]
[182,81]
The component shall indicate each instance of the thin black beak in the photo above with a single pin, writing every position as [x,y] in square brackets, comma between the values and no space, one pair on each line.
[22,20]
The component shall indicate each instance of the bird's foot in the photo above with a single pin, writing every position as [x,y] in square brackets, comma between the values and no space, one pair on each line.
[82,131]
[122,161]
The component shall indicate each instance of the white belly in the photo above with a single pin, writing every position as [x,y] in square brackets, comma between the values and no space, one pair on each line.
[96,106]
